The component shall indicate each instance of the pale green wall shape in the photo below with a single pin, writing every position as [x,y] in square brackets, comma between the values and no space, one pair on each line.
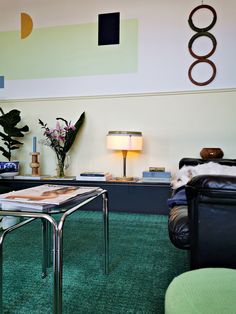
[67,51]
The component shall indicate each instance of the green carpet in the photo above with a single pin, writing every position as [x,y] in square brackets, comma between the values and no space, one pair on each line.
[142,264]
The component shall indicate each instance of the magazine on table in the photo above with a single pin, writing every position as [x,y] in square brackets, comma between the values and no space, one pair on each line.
[43,196]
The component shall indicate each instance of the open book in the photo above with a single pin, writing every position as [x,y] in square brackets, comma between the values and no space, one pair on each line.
[43,196]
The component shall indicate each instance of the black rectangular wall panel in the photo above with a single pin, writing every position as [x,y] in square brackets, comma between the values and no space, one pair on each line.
[109,29]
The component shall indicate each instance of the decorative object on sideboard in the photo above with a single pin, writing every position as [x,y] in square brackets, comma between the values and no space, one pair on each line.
[202,32]
[211,152]
[35,164]
[157,169]
[124,141]
[9,168]
[11,132]
[60,139]
[35,159]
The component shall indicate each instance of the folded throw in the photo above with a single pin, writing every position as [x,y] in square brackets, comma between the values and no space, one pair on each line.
[179,198]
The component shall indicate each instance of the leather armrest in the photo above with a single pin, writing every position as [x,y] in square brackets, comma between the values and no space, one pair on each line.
[215,186]
[212,221]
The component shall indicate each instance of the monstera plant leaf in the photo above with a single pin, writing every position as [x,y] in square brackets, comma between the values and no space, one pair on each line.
[71,135]
[8,121]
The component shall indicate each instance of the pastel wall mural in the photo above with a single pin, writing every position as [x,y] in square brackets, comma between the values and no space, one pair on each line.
[26,25]
[1,81]
[66,51]
[109,29]
[51,48]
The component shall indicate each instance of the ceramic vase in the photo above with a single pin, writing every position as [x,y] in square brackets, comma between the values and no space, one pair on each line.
[9,168]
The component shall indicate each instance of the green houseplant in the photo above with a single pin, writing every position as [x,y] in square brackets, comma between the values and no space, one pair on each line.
[9,135]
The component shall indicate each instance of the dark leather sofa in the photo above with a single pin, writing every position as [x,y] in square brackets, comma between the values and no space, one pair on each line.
[206,226]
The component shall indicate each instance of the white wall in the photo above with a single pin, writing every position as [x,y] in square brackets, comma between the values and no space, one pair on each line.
[173,126]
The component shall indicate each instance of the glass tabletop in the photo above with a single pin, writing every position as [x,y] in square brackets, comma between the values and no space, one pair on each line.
[78,201]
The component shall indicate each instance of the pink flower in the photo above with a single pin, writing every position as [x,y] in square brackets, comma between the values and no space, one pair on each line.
[69,126]
[58,127]
[62,136]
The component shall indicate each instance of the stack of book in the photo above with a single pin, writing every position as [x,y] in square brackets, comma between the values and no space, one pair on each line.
[94,176]
[29,177]
[158,175]
[44,177]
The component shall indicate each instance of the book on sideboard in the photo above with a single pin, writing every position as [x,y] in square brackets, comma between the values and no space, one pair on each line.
[42,177]
[29,177]
[94,176]
[44,196]
[156,174]
[155,180]
[156,169]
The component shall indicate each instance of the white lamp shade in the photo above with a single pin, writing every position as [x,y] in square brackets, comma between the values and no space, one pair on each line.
[124,140]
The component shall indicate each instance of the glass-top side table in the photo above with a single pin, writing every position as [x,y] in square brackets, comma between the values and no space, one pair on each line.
[50,223]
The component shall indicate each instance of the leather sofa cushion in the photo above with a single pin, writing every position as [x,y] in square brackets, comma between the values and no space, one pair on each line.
[178,227]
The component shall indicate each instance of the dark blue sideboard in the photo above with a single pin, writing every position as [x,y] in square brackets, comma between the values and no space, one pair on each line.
[132,197]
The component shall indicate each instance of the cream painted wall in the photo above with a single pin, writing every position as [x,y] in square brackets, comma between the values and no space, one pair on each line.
[173,125]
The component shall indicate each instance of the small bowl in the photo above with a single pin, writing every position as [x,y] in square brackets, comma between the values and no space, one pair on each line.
[9,168]
[211,153]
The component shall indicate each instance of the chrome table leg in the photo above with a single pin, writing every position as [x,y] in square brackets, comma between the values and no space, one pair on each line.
[2,236]
[58,249]
[106,232]
[1,262]
[44,247]
[58,269]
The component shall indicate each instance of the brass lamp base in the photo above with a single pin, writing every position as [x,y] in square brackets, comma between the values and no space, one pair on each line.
[124,178]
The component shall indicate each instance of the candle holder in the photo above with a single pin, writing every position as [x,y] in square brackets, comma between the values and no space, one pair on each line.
[35,163]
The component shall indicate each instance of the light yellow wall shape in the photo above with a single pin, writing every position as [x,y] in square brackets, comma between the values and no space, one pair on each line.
[26,25]
[67,51]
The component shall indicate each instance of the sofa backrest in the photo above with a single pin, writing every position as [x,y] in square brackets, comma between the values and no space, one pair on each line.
[196,161]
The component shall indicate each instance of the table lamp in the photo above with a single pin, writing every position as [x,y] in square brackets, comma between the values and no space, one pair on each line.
[124,141]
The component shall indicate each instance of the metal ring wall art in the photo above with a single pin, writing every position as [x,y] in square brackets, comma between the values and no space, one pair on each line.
[199,33]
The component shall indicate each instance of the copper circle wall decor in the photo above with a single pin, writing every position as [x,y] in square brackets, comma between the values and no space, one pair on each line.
[205,34]
[202,61]
[204,29]
[200,32]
